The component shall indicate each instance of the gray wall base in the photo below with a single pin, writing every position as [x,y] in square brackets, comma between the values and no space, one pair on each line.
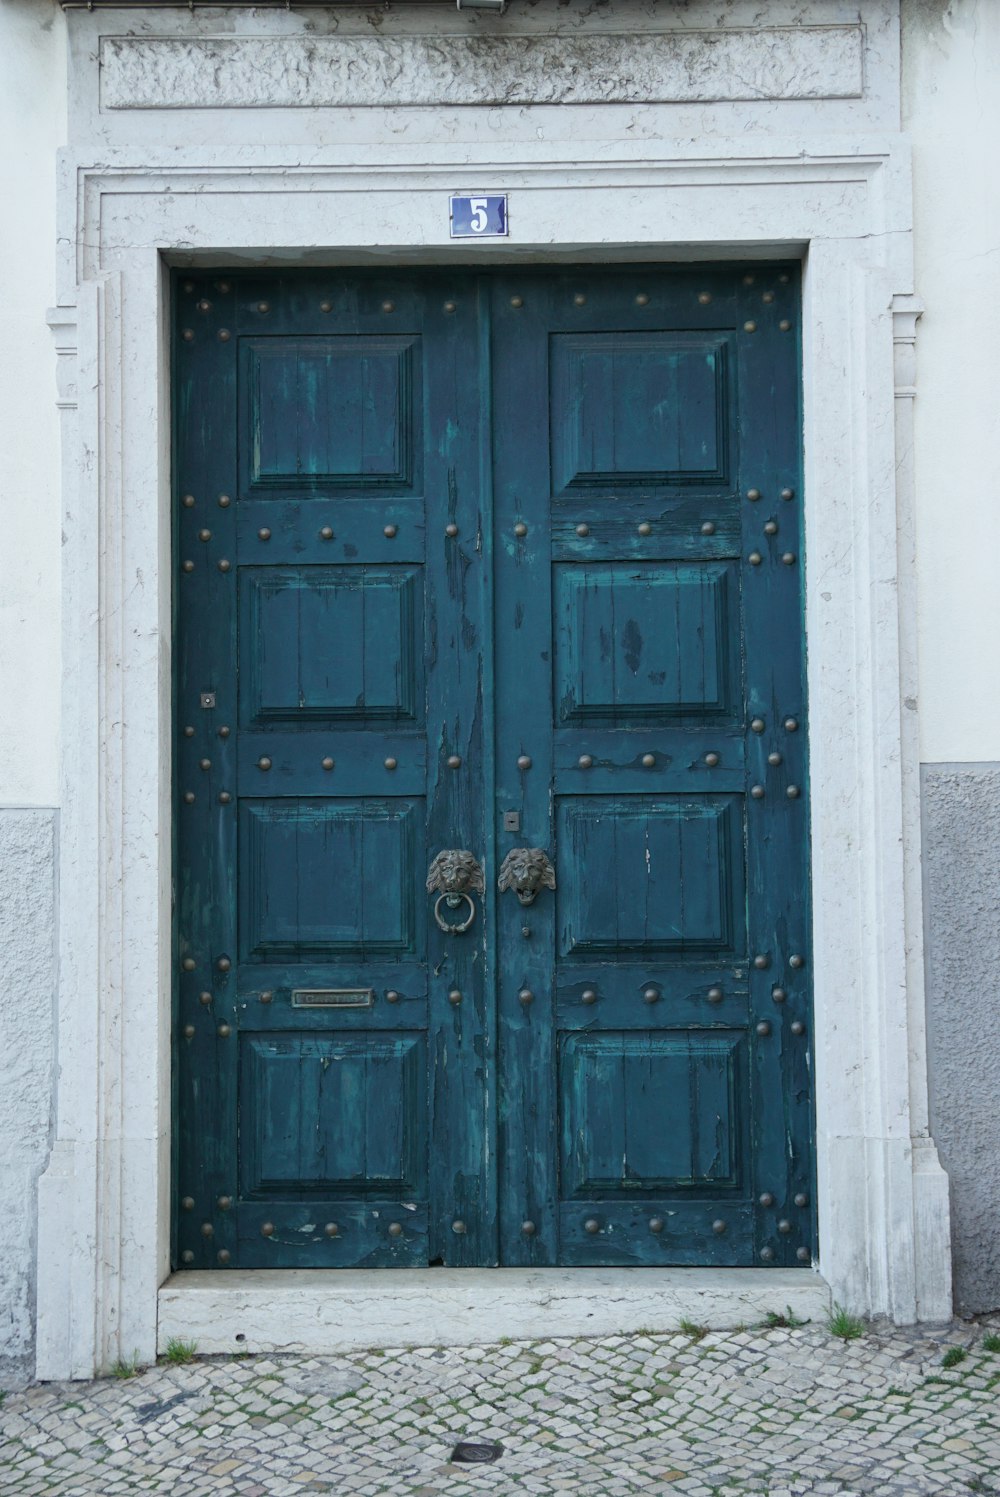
[27,1038]
[961,841]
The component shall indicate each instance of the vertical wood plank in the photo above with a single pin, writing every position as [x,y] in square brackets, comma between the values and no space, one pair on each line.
[205,470]
[777,822]
[459,645]
[524,631]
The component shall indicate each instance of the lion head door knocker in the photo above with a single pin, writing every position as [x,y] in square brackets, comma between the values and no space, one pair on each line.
[526,870]
[455,876]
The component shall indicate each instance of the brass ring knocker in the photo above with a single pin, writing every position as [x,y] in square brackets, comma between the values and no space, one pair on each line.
[453,901]
[455,873]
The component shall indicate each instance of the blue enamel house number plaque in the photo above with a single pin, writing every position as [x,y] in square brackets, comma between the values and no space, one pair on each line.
[479,216]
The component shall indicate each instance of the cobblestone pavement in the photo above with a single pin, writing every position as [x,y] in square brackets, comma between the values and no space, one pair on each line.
[783,1411]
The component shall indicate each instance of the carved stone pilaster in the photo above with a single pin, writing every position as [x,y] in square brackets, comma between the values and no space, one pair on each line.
[931,1206]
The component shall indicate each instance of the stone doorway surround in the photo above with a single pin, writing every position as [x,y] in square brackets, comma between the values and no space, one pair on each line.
[273,138]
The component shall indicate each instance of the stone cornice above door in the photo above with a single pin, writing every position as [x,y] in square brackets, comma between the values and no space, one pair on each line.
[152,82]
[592,67]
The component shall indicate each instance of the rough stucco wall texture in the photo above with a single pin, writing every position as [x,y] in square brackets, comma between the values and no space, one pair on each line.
[961,812]
[790,63]
[27,960]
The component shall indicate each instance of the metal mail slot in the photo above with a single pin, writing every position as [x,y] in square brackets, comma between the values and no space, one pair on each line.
[333,997]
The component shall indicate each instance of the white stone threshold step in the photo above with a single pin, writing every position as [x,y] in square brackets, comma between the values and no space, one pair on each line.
[323,1311]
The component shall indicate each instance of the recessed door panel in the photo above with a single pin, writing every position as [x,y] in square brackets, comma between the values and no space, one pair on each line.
[339,645]
[333,1116]
[330,412]
[646,643]
[327,878]
[638,408]
[645,1113]
[651,876]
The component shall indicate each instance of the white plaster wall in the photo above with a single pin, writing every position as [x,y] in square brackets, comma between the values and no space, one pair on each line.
[32,113]
[32,127]
[951,107]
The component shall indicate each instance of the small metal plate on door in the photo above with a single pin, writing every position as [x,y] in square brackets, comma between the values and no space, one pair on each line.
[333,997]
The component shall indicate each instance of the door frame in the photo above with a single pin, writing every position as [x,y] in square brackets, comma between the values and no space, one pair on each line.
[882,1197]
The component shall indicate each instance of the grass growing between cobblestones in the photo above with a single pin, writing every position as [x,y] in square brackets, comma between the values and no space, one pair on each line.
[179,1352]
[774,1321]
[845,1325]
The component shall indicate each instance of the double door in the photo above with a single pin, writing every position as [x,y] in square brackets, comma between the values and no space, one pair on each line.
[492,833]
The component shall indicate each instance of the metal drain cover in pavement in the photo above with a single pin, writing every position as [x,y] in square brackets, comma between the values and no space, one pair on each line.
[471,1453]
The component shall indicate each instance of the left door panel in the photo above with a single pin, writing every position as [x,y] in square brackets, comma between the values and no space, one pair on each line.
[335,1097]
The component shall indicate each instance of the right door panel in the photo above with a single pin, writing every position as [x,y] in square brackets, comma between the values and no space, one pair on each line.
[654,1037]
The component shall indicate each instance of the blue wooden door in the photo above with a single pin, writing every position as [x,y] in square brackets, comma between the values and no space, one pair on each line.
[651,738]
[336,1098]
[492,848]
